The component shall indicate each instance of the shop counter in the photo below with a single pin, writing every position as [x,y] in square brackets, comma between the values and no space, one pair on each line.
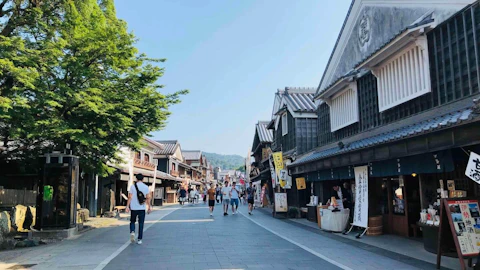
[430,241]
[334,221]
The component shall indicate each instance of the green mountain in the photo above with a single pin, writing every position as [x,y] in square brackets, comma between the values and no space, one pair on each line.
[226,162]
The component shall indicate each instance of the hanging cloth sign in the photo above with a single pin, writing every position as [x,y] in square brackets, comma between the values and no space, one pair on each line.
[360,217]
[473,167]
[278,162]
[272,171]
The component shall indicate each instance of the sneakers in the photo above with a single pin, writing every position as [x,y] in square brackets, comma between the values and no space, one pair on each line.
[225,214]
[139,241]
[250,213]
[132,237]
[211,214]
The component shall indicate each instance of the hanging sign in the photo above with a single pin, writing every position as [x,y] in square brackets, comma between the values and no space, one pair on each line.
[272,171]
[278,162]
[301,183]
[262,195]
[463,218]
[283,178]
[360,217]
[281,202]
[473,167]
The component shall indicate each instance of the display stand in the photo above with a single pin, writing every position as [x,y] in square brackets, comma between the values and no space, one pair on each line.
[461,215]
[360,234]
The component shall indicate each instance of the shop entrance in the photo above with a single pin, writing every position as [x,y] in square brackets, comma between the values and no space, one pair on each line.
[397,200]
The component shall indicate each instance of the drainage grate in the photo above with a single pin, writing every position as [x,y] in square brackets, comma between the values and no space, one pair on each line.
[22,266]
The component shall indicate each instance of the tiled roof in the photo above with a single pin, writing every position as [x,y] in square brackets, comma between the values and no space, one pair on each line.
[158,146]
[300,102]
[426,126]
[170,147]
[265,135]
[192,154]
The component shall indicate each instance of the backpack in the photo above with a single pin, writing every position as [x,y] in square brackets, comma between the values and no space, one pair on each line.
[140,196]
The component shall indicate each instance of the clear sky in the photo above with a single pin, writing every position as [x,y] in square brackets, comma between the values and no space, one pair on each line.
[232,55]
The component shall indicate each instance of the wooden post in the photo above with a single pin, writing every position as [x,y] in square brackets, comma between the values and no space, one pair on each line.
[439,243]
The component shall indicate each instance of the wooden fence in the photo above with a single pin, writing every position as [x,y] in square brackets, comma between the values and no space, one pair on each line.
[12,197]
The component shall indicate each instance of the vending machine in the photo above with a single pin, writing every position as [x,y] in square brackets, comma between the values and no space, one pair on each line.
[58,192]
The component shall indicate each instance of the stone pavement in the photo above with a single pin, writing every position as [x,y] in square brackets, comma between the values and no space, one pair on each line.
[187,238]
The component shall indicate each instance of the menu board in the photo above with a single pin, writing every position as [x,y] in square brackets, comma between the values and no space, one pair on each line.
[466,221]
[281,202]
[462,218]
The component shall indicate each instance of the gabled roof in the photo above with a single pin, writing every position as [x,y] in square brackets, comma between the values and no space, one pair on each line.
[264,135]
[380,21]
[157,146]
[170,146]
[300,101]
[192,154]
[405,129]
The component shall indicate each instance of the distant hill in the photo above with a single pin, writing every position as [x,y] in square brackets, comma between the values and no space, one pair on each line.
[226,162]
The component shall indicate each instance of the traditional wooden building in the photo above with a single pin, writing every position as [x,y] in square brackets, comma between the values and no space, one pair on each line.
[294,128]
[261,149]
[172,162]
[398,95]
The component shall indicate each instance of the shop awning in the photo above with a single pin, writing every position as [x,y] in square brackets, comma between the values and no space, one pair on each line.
[425,163]
[341,173]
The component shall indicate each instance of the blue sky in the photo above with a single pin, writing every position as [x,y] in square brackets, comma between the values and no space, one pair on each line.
[232,55]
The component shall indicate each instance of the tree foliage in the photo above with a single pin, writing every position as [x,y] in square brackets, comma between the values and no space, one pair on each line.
[70,73]
[226,162]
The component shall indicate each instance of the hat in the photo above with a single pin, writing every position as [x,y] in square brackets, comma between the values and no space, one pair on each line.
[139,176]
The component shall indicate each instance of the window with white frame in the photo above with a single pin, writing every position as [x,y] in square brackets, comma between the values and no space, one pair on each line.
[404,76]
[344,108]
[284,124]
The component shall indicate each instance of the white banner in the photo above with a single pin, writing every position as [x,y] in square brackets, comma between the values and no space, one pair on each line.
[272,171]
[360,217]
[281,202]
[473,167]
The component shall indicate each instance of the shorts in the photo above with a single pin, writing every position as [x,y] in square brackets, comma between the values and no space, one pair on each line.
[234,201]
[226,201]
[250,201]
[211,203]
[182,199]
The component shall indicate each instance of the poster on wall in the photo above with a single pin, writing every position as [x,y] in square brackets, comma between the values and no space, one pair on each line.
[278,162]
[281,202]
[360,217]
[473,167]
[283,178]
[301,183]
[273,175]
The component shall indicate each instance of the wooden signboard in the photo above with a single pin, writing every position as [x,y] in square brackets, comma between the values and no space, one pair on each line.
[462,216]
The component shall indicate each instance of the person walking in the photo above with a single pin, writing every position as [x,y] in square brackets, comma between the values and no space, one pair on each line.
[234,196]
[250,195]
[211,199]
[138,202]
[218,194]
[205,195]
[226,198]
[183,195]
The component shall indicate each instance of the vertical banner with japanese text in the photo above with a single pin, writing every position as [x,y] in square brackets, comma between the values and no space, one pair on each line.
[272,171]
[278,162]
[360,217]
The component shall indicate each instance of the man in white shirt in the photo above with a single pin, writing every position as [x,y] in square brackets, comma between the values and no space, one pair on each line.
[234,195]
[226,198]
[138,202]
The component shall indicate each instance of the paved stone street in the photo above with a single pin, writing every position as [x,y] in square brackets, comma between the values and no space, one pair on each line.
[187,238]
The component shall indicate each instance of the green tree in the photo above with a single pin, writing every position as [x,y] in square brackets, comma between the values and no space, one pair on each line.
[76,77]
